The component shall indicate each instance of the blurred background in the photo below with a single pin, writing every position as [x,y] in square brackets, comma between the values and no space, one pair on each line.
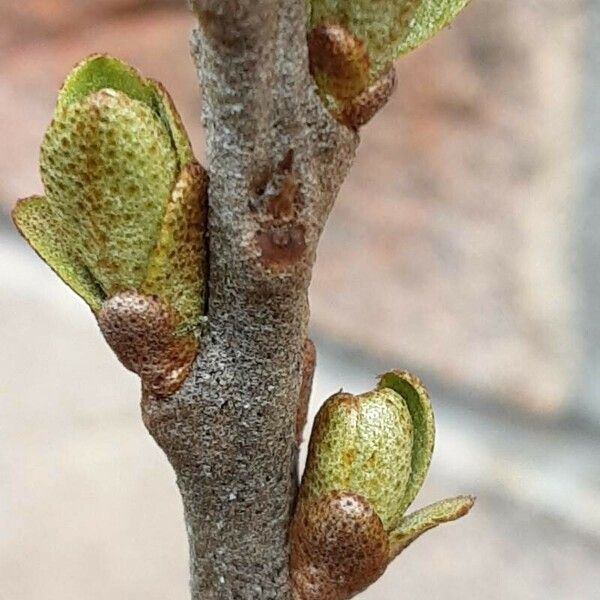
[465,247]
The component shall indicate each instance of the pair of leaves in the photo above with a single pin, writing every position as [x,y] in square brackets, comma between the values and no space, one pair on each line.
[367,460]
[378,445]
[123,206]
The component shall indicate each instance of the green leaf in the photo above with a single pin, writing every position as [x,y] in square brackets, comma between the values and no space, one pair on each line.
[108,167]
[177,265]
[430,17]
[417,523]
[415,395]
[362,445]
[100,71]
[170,116]
[45,232]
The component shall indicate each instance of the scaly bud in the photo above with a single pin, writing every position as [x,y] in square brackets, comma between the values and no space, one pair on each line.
[354,43]
[367,459]
[125,201]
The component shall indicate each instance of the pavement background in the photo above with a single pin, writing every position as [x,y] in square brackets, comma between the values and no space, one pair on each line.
[89,507]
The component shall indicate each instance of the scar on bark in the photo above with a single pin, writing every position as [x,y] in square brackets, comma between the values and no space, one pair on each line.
[281,205]
[269,177]
[141,332]
[280,239]
[308,371]
[281,246]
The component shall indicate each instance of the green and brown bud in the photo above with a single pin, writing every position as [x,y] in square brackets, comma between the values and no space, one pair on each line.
[354,43]
[124,205]
[367,459]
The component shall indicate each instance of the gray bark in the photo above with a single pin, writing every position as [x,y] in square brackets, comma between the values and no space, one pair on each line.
[276,162]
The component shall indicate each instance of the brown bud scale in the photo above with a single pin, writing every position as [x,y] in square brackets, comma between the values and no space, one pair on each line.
[141,332]
[338,547]
[361,109]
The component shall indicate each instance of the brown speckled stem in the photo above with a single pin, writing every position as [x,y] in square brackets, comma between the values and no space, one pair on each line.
[276,162]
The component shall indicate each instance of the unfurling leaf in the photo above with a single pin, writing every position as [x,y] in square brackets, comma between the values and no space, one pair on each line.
[125,200]
[354,43]
[367,460]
